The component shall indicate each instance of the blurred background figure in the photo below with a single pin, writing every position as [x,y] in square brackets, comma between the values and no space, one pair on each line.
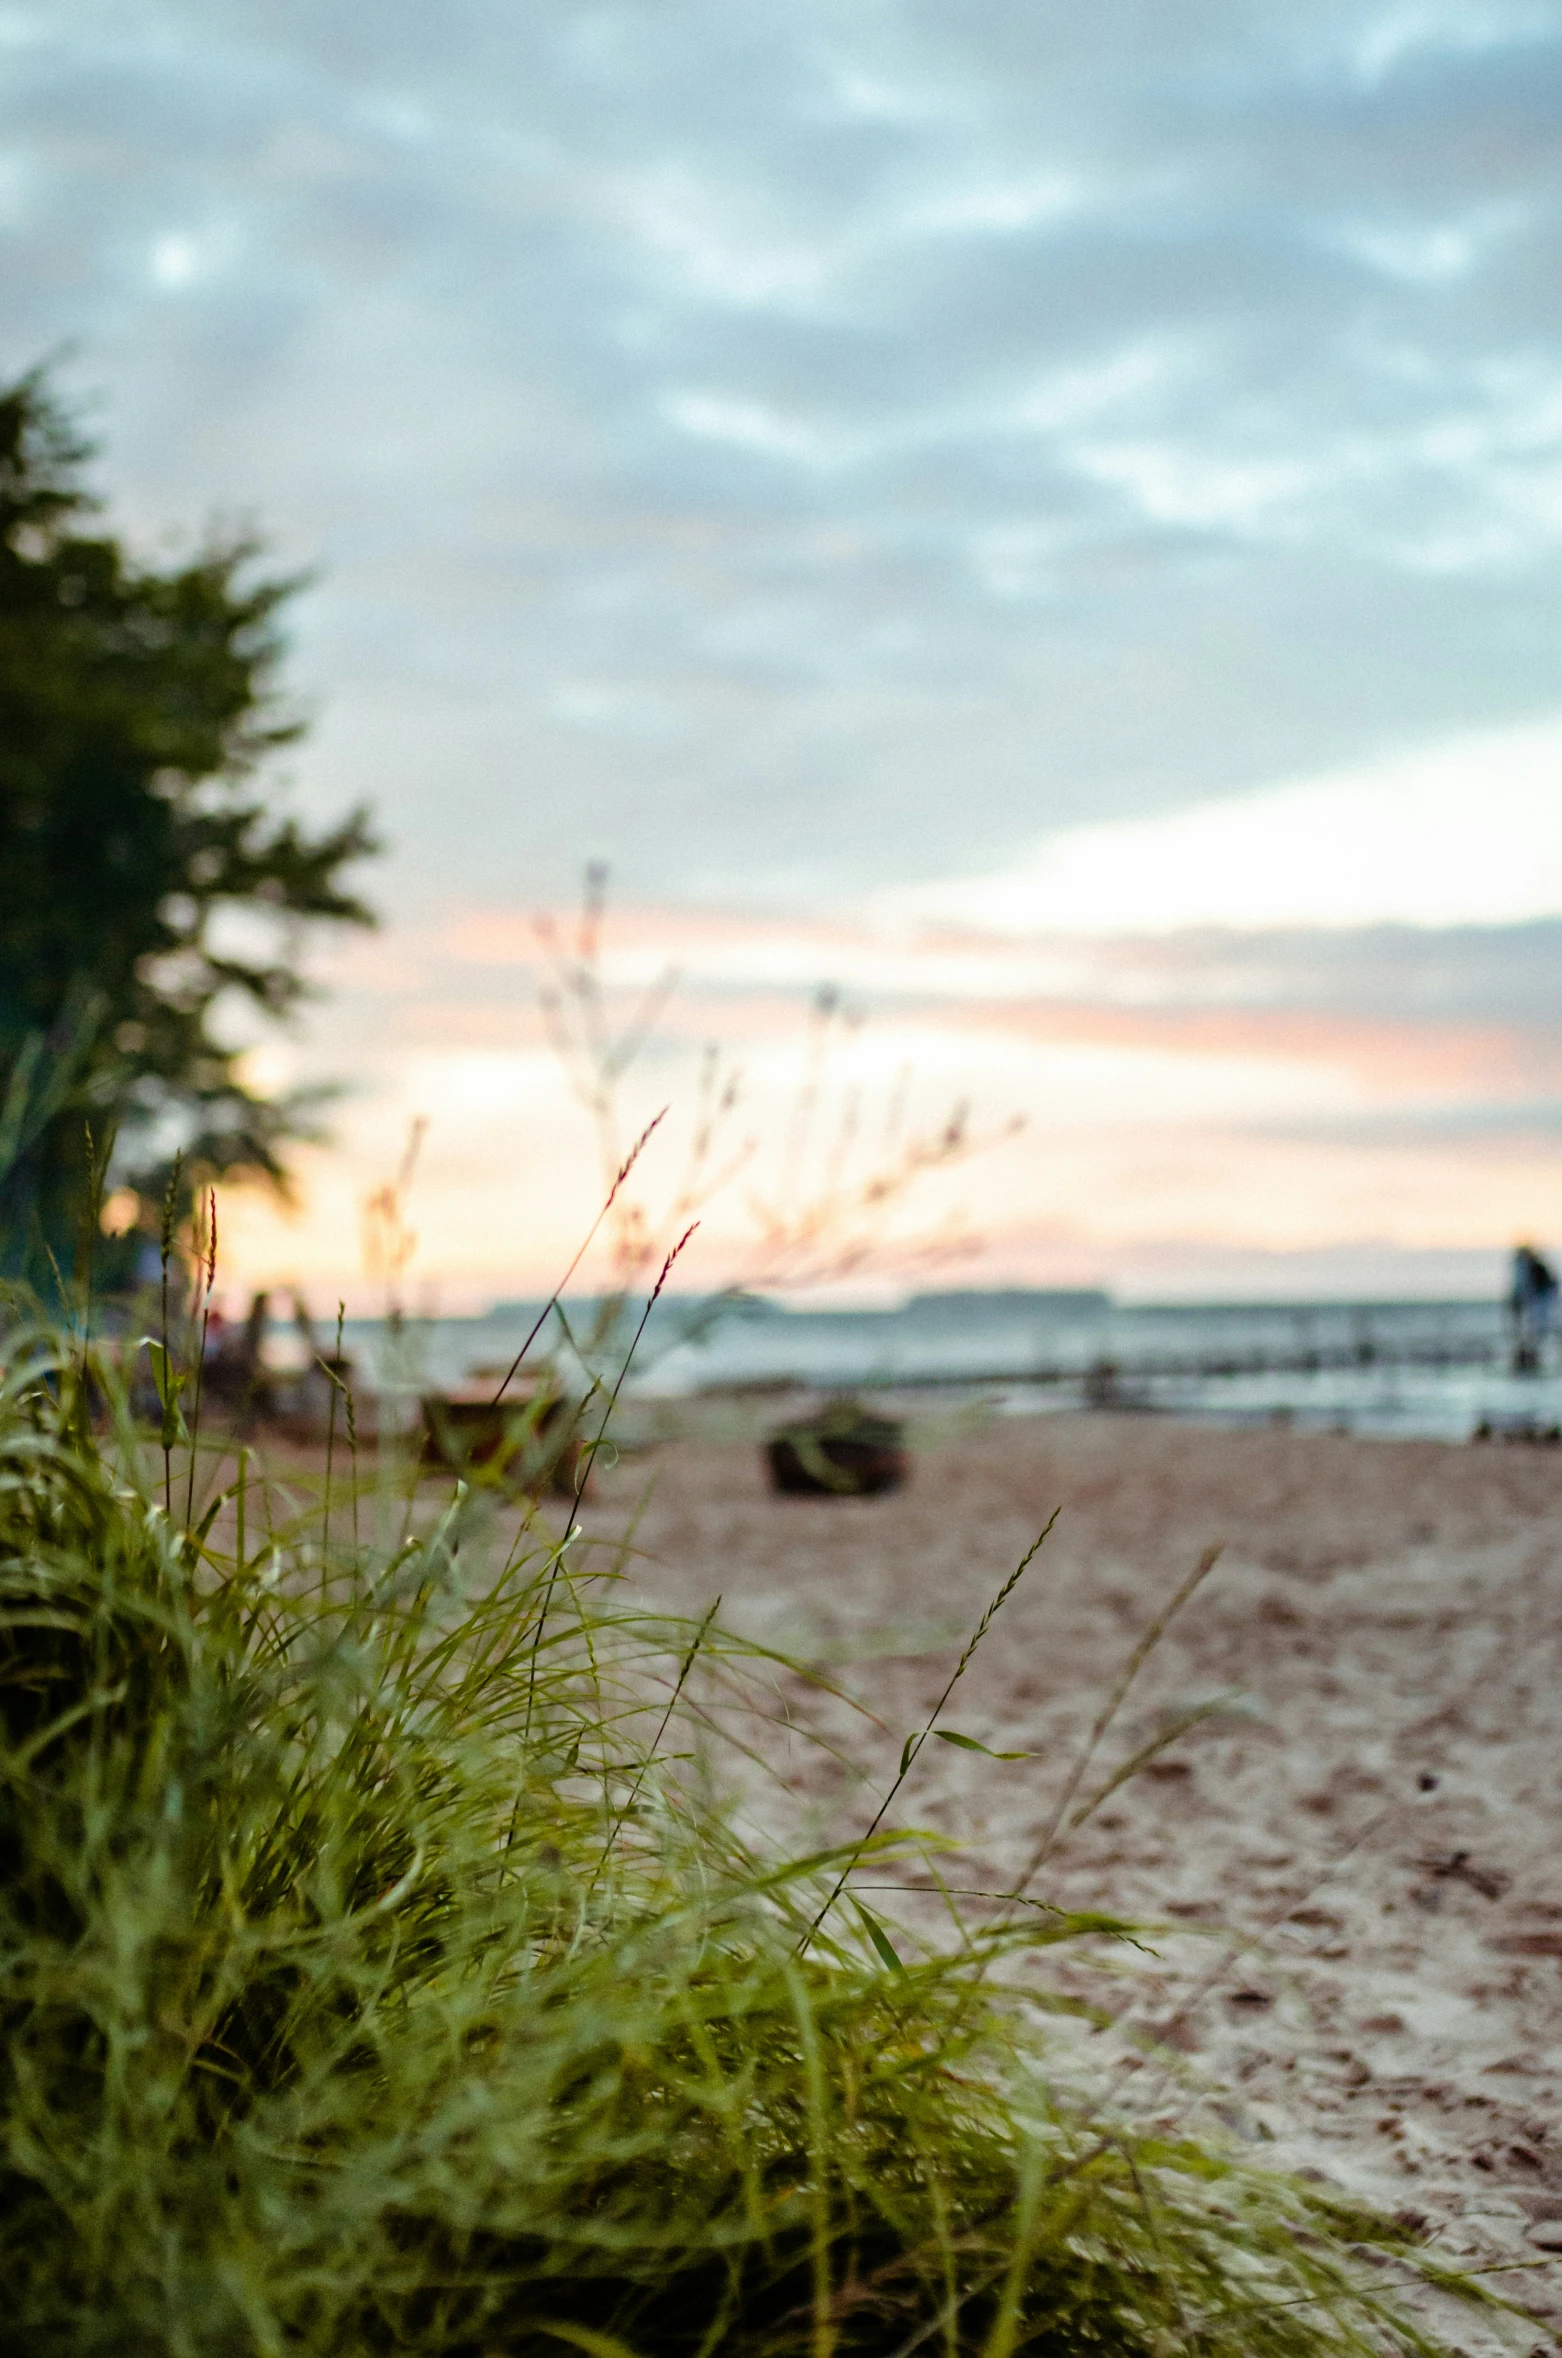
[234,1375]
[1532,1305]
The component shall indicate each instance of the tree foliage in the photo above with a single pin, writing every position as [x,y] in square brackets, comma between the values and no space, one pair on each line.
[151,893]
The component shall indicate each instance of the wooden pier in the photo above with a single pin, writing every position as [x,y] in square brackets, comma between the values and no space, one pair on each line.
[1108,1379]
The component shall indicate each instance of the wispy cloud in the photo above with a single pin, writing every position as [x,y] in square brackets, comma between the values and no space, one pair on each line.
[1051,517]
[795,453]
[1470,832]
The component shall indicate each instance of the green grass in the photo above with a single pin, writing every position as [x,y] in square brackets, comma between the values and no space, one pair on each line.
[380,1971]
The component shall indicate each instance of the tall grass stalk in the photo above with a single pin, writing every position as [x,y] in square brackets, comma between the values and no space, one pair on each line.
[914,1743]
[334,1381]
[167,1394]
[97,1163]
[205,1280]
[1062,1818]
[586,1242]
[654,1751]
[319,2043]
[587,1458]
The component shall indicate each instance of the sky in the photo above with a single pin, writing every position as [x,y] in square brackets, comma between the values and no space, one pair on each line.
[1044,521]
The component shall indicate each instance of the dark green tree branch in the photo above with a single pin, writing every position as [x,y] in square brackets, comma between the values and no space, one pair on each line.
[150,893]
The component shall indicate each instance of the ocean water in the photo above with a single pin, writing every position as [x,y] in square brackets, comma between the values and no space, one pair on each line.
[1430,1368]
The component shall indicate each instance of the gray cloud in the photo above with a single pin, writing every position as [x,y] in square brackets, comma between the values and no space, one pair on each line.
[787,448]
[1505,975]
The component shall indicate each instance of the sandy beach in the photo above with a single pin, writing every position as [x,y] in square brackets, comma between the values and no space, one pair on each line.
[1372,1822]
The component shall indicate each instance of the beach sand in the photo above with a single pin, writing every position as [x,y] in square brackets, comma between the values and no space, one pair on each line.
[1383,1998]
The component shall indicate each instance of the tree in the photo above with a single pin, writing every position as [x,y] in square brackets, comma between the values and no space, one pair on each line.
[148,894]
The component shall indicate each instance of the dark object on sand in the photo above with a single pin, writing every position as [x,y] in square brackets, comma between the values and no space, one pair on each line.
[844,1452]
[1517,1428]
[532,1440]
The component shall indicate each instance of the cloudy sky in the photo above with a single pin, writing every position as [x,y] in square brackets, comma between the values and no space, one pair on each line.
[1049,519]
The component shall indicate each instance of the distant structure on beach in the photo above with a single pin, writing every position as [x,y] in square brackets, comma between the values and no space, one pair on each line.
[984,1301]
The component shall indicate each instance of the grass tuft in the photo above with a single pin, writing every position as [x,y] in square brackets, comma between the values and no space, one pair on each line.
[376,1976]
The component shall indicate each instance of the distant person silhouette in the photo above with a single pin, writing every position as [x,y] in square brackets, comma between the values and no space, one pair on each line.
[1532,1306]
